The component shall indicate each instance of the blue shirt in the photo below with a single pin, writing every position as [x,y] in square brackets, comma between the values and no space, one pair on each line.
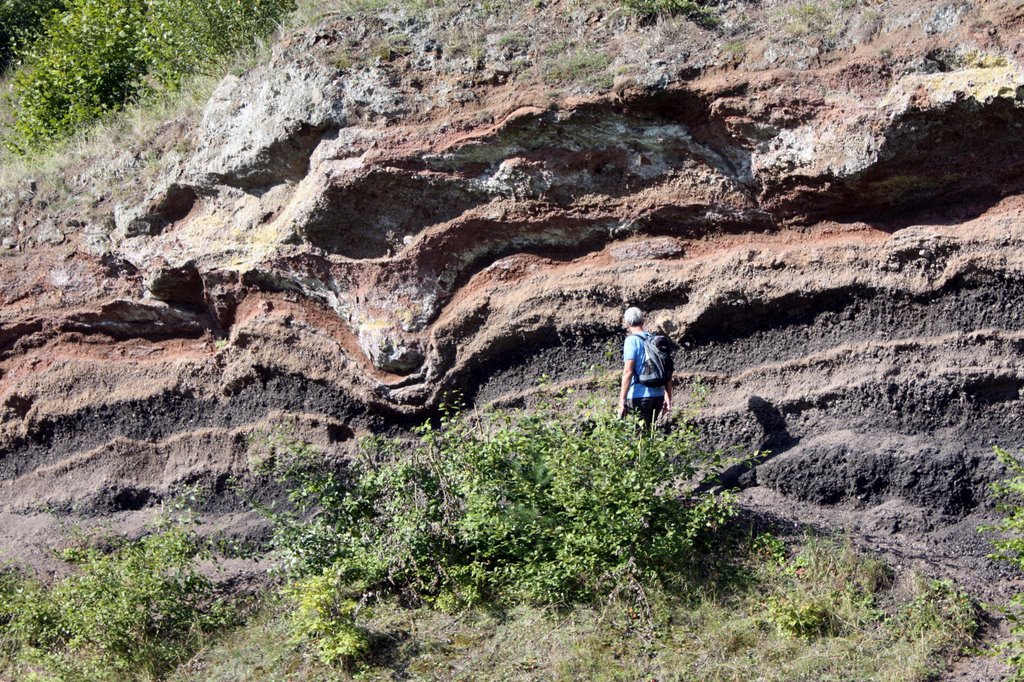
[633,350]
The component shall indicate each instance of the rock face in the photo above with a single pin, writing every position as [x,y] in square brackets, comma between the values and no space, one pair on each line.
[837,236]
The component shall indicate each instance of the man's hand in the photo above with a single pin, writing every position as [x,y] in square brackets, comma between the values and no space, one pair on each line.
[622,409]
[667,406]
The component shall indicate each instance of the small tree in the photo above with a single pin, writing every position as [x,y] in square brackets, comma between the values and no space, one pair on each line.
[91,60]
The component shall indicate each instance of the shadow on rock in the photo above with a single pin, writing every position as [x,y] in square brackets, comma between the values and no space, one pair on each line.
[776,440]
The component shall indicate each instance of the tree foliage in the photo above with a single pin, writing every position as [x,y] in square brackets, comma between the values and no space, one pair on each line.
[98,55]
[21,22]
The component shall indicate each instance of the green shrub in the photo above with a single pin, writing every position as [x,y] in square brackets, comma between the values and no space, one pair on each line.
[21,22]
[99,55]
[324,613]
[1009,493]
[185,36]
[937,608]
[804,615]
[90,61]
[133,614]
[11,583]
[830,595]
[557,506]
[828,589]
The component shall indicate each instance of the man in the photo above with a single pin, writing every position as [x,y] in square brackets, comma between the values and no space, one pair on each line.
[634,397]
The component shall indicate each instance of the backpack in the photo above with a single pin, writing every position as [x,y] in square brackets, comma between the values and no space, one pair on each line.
[658,364]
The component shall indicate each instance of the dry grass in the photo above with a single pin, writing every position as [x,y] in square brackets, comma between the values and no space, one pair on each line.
[898,632]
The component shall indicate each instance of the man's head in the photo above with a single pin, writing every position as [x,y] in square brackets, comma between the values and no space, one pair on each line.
[633,317]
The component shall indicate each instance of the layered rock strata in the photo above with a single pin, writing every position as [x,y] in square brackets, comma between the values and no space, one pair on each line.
[840,247]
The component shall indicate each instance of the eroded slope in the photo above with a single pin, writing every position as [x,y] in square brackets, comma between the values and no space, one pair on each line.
[837,239]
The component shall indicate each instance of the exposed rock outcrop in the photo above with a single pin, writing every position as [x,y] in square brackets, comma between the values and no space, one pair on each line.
[839,239]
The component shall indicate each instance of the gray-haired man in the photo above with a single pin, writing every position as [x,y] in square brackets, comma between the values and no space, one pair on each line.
[645,401]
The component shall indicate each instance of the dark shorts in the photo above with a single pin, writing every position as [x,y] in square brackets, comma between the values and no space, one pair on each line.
[646,408]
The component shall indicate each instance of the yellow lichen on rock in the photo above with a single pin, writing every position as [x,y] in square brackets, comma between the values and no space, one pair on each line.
[981,84]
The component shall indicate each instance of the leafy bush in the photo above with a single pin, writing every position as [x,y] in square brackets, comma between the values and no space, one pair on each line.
[185,36]
[937,608]
[91,61]
[558,506]
[11,582]
[99,55]
[325,609]
[804,615]
[1009,492]
[20,23]
[133,614]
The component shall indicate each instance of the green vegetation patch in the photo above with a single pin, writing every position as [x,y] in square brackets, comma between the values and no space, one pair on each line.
[694,10]
[573,528]
[21,22]
[721,633]
[1008,543]
[582,66]
[133,614]
[561,544]
[98,55]
[559,506]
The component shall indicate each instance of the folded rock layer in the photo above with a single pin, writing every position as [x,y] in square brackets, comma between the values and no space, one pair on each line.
[837,243]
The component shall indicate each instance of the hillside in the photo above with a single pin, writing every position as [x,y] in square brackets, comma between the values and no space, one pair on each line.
[826,200]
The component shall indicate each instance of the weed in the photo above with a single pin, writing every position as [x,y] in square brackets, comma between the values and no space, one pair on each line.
[392,47]
[937,607]
[807,18]
[692,9]
[734,49]
[829,589]
[1009,547]
[582,66]
[513,42]
[556,48]
[804,615]
[814,20]
[719,635]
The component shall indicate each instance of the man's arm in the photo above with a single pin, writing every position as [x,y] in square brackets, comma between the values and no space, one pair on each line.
[628,367]
[668,397]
